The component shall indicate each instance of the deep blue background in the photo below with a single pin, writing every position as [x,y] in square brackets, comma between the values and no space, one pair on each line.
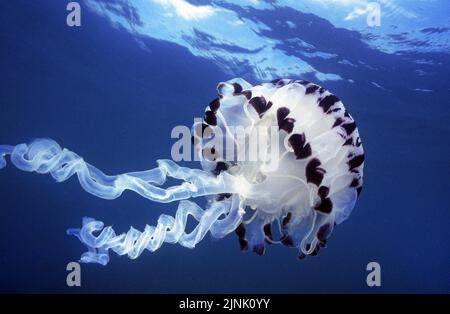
[97,91]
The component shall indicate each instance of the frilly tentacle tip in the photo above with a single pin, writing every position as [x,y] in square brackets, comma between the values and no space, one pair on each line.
[97,258]
[87,219]
[73,232]
[4,151]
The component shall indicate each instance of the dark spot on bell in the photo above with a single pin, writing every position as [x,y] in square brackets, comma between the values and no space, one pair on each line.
[286,219]
[214,105]
[268,232]
[323,191]
[324,232]
[325,206]
[311,89]
[349,128]
[259,249]
[282,113]
[284,123]
[223,196]
[358,142]
[287,240]
[275,82]
[327,102]
[260,105]
[349,141]
[247,94]
[305,152]
[297,142]
[209,153]
[338,122]
[354,183]
[322,90]
[219,89]
[358,190]
[316,251]
[334,110]
[303,82]
[237,88]
[240,231]
[278,82]
[314,174]
[220,166]
[356,161]
[287,125]
[210,118]
[243,244]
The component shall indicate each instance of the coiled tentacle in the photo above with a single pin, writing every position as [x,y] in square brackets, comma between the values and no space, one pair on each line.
[46,156]
[168,229]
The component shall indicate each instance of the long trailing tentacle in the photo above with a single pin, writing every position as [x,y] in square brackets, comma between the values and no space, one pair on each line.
[168,229]
[46,156]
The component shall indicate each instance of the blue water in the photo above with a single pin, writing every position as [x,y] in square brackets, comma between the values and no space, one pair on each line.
[113,96]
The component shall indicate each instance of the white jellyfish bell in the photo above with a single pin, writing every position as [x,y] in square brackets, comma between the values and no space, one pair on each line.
[306,179]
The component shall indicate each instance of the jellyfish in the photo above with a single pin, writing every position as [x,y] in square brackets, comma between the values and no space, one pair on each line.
[314,185]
